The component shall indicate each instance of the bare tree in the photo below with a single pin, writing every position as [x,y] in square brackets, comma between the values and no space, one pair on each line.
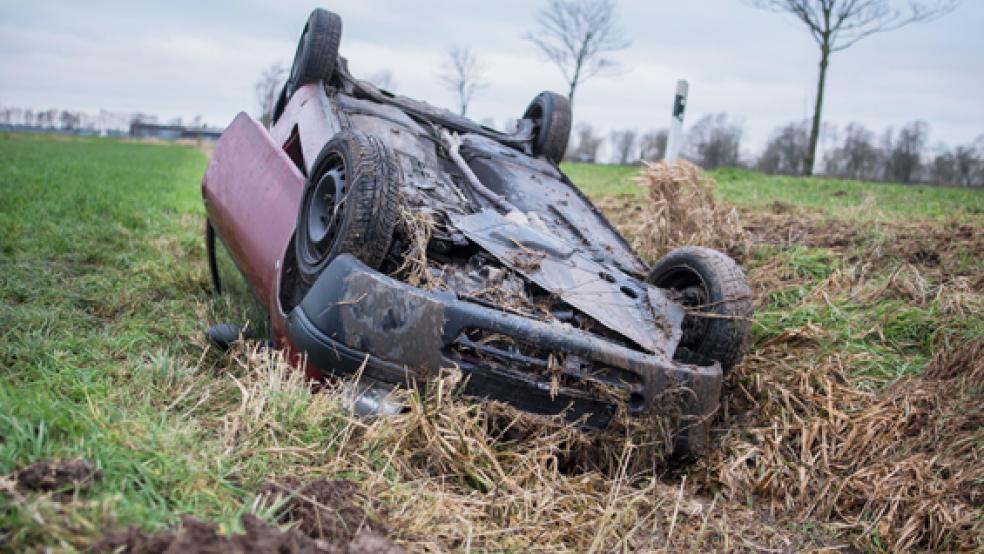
[464,74]
[785,150]
[714,141]
[969,162]
[837,25]
[268,89]
[652,145]
[857,157]
[942,169]
[623,143]
[904,154]
[585,149]
[575,35]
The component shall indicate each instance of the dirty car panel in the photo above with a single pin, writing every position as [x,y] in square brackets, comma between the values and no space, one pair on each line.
[411,334]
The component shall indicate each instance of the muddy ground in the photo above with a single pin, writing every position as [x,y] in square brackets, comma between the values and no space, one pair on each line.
[194,536]
[317,517]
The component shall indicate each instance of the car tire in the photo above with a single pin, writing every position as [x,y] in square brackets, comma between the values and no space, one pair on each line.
[551,116]
[317,50]
[280,105]
[706,281]
[350,204]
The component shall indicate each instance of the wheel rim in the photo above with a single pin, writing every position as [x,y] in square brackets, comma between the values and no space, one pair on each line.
[535,114]
[690,292]
[325,207]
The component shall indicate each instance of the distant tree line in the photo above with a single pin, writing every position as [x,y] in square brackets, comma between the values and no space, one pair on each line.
[78,122]
[901,155]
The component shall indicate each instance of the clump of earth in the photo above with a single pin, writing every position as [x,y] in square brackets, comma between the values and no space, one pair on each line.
[323,517]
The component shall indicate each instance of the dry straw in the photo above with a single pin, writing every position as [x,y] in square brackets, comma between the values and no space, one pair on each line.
[449,474]
[680,210]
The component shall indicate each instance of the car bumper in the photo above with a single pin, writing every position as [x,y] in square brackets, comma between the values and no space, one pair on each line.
[355,319]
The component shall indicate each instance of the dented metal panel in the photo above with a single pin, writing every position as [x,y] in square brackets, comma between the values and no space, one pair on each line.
[404,325]
[640,313]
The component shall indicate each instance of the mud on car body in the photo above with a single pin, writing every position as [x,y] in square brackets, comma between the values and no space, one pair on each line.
[391,238]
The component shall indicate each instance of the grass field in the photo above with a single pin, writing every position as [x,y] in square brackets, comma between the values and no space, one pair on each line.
[104,294]
[843,199]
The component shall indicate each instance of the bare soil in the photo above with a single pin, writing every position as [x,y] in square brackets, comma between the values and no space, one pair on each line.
[194,536]
[57,476]
[322,516]
[323,509]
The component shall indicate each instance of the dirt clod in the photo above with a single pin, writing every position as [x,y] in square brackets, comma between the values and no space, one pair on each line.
[58,475]
[194,536]
[368,542]
[323,509]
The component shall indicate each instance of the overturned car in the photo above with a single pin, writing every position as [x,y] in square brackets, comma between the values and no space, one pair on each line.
[390,239]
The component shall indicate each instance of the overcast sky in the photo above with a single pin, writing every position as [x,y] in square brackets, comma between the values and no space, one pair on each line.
[187,58]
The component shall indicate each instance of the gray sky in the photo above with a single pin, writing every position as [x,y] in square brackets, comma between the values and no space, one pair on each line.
[187,58]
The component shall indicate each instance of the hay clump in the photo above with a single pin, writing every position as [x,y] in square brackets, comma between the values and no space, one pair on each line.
[449,473]
[904,464]
[680,210]
[416,270]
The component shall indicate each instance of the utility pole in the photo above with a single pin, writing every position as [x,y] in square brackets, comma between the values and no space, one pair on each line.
[675,139]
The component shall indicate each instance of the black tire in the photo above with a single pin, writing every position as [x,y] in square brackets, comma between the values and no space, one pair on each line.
[280,105]
[708,281]
[350,204]
[551,116]
[317,50]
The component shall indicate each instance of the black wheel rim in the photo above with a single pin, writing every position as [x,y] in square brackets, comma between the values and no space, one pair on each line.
[690,291]
[535,114]
[324,210]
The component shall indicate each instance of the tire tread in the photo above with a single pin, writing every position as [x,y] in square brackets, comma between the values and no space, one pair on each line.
[727,339]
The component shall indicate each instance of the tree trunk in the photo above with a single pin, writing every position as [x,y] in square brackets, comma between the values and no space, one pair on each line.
[811,149]
[573,84]
[581,55]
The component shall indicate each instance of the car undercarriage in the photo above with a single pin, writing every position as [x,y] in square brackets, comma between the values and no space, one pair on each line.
[392,239]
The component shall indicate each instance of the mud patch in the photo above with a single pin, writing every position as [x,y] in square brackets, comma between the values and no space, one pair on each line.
[324,509]
[194,536]
[57,476]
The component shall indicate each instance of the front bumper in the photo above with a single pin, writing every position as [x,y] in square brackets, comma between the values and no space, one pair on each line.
[355,318]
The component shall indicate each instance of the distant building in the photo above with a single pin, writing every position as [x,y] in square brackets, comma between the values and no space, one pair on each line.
[140,129]
[201,133]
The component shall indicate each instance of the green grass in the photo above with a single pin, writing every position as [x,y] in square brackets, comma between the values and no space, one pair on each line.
[887,339]
[102,291]
[598,180]
[842,199]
